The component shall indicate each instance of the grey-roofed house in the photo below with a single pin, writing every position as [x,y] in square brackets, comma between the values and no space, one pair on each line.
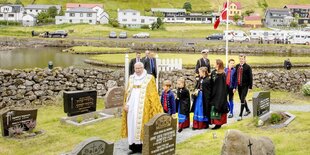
[278,18]
[78,15]
[10,12]
[35,9]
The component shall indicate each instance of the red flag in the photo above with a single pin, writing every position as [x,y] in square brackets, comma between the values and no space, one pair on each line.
[222,16]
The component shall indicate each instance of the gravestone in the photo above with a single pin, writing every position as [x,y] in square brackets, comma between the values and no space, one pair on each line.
[160,135]
[17,118]
[114,97]
[93,146]
[80,102]
[261,103]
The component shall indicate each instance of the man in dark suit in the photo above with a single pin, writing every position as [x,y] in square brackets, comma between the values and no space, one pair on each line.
[150,63]
[203,62]
[244,83]
[134,61]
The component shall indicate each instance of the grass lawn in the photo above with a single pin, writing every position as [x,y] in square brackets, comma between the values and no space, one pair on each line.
[291,140]
[191,59]
[96,50]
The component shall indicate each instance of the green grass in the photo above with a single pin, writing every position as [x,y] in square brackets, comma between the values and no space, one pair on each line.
[191,59]
[96,50]
[291,140]
[59,138]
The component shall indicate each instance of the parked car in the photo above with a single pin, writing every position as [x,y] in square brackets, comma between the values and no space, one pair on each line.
[58,34]
[141,35]
[123,35]
[112,35]
[236,35]
[215,37]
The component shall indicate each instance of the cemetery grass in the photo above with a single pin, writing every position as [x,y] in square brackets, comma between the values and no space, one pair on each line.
[291,140]
[96,50]
[59,138]
[189,60]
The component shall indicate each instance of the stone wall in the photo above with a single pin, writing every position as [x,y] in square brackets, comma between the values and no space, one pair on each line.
[264,79]
[22,87]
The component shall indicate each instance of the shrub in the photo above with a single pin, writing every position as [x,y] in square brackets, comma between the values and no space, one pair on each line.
[275,118]
[4,22]
[306,89]
[145,27]
[114,22]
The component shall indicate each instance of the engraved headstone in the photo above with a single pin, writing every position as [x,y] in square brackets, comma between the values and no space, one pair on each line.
[12,118]
[160,135]
[93,146]
[80,102]
[114,97]
[261,103]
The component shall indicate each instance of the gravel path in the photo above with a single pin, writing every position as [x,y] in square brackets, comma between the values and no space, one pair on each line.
[121,147]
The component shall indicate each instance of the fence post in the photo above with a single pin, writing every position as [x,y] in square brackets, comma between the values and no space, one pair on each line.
[126,69]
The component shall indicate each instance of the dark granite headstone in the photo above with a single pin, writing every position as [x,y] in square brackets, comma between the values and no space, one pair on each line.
[114,97]
[261,103]
[16,118]
[93,146]
[160,135]
[80,102]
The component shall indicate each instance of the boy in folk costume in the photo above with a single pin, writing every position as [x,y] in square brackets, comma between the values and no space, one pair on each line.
[167,99]
[231,83]
[183,105]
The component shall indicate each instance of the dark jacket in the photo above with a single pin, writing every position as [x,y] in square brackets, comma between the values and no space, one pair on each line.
[247,77]
[233,78]
[183,101]
[218,92]
[147,62]
[201,63]
[205,87]
[170,102]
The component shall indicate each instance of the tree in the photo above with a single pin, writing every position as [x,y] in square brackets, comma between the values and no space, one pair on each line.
[187,6]
[236,17]
[19,2]
[42,17]
[293,24]
[3,1]
[52,12]
[249,12]
[263,4]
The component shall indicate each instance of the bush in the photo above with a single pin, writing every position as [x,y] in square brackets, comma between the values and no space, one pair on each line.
[4,22]
[306,89]
[114,22]
[275,118]
[145,27]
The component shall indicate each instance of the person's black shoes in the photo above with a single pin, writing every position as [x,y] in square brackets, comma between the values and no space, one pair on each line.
[180,130]
[217,127]
[247,113]
[193,128]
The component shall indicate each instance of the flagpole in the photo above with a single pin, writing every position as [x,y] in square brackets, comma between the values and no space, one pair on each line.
[227,4]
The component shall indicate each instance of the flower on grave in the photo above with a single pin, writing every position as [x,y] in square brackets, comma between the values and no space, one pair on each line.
[31,124]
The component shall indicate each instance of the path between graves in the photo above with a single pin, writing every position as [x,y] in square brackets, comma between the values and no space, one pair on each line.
[121,147]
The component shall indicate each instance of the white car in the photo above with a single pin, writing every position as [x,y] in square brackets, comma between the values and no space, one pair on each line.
[141,35]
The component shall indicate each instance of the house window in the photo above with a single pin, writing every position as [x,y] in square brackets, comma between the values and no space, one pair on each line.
[60,20]
[134,13]
[72,14]
[124,20]
[81,14]
[297,36]
[30,10]
[274,20]
[1,15]
[37,10]
[134,20]
[70,20]
[124,13]
[89,15]
[11,15]
[90,21]
[142,20]
[231,12]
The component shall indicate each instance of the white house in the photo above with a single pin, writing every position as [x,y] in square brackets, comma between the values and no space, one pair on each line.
[78,15]
[35,9]
[10,12]
[29,20]
[133,19]
[102,17]
[171,15]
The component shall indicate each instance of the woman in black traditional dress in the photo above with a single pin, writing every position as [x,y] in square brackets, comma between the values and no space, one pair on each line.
[218,99]
[183,104]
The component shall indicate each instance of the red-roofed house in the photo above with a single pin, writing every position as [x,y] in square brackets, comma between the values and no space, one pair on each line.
[302,11]
[102,16]
[234,8]
[253,21]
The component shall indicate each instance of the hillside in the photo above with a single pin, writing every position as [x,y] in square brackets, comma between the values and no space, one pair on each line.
[197,5]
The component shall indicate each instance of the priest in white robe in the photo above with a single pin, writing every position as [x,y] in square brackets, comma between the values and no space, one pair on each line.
[141,104]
